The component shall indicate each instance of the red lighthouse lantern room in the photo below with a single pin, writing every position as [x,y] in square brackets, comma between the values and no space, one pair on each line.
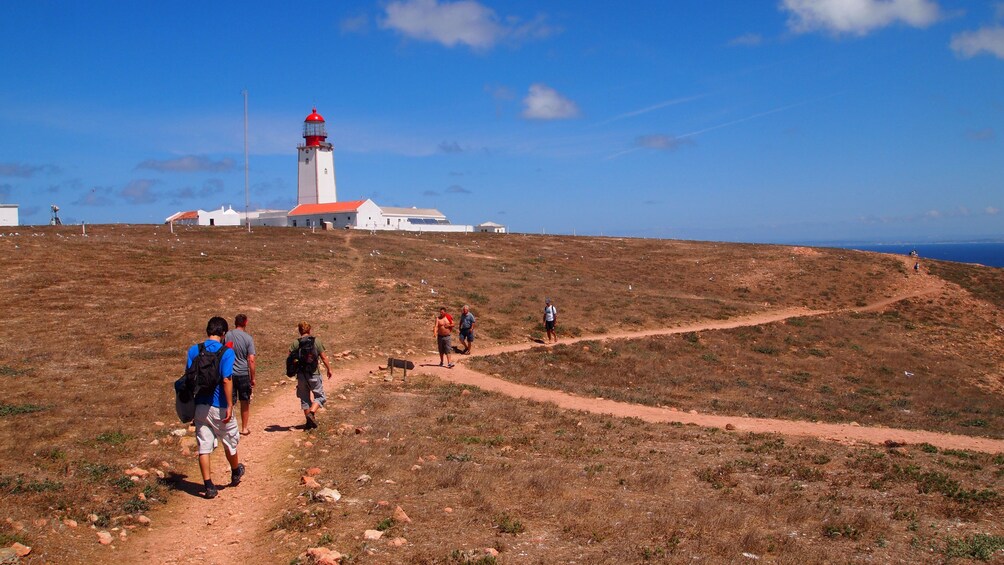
[313,129]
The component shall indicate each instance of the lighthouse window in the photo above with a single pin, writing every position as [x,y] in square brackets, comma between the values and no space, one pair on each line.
[325,171]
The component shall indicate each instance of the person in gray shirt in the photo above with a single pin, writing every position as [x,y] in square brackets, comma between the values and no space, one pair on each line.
[467,322]
[244,368]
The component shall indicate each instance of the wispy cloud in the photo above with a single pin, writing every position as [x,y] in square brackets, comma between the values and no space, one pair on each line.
[464,22]
[430,193]
[24,170]
[188,164]
[450,147]
[858,17]
[746,40]
[985,134]
[354,24]
[457,189]
[545,103]
[652,108]
[989,40]
[991,211]
[139,191]
[97,196]
[661,142]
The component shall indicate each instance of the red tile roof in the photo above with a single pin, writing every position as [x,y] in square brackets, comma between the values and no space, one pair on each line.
[190,215]
[326,208]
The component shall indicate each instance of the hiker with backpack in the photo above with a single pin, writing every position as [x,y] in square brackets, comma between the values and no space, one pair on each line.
[208,376]
[304,355]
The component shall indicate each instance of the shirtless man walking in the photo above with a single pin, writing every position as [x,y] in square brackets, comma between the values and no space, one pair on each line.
[442,329]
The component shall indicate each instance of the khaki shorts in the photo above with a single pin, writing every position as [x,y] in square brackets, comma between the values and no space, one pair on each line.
[305,386]
[209,425]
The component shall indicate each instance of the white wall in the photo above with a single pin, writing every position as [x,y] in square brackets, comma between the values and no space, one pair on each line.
[8,215]
[221,217]
[315,179]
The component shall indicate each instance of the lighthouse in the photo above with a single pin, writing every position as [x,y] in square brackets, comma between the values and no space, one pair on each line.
[315,176]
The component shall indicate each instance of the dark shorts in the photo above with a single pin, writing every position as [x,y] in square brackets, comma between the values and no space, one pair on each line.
[242,387]
[444,344]
[549,326]
[467,335]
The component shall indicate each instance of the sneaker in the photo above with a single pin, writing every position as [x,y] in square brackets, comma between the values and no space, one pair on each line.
[236,475]
[211,491]
[450,366]
[311,421]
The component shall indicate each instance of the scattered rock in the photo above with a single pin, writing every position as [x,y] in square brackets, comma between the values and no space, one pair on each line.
[730,427]
[180,432]
[41,522]
[372,534]
[416,467]
[491,551]
[143,520]
[448,510]
[70,523]
[309,482]
[328,495]
[137,472]
[321,556]
[313,471]
[104,538]
[20,550]
[398,542]
[855,424]
[308,444]
[191,429]
[400,516]
[693,411]
[363,479]
[158,423]
[92,518]
[8,555]
[465,392]
[155,442]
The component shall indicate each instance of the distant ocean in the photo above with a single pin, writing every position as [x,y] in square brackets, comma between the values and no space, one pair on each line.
[989,254]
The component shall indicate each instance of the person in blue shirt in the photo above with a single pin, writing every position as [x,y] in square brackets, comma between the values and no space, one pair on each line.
[214,410]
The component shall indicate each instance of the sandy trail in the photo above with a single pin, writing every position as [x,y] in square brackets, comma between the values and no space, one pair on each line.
[233,527]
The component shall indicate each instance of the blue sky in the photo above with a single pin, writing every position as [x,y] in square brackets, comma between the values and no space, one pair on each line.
[772,121]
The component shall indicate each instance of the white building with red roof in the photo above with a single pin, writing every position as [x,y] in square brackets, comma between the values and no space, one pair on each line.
[317,204]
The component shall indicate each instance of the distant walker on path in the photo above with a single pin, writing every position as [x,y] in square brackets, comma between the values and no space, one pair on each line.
[550,320]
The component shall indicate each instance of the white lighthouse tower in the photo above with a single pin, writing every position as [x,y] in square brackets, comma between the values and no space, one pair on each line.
[315,176]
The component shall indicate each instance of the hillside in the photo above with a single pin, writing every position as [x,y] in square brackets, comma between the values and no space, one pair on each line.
[95,329]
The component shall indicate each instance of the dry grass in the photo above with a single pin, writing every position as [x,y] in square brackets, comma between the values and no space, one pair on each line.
[95,329]
[893,369]
[543,485]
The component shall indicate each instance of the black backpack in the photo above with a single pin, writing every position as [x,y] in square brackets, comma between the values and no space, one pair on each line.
[306,356]
[203,375]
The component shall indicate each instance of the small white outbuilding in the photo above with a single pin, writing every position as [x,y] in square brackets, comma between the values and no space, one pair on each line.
[8,215]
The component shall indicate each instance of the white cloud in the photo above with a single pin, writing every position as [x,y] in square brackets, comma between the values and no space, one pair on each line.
[992,211]
[858,17]
[464,22]
[972,43]
[545,103]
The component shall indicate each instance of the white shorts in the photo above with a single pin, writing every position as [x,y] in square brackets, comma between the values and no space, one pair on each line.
[209,426]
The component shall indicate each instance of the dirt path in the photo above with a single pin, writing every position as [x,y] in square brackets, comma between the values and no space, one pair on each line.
[233,527]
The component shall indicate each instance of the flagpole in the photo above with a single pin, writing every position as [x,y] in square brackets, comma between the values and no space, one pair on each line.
[247,197]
